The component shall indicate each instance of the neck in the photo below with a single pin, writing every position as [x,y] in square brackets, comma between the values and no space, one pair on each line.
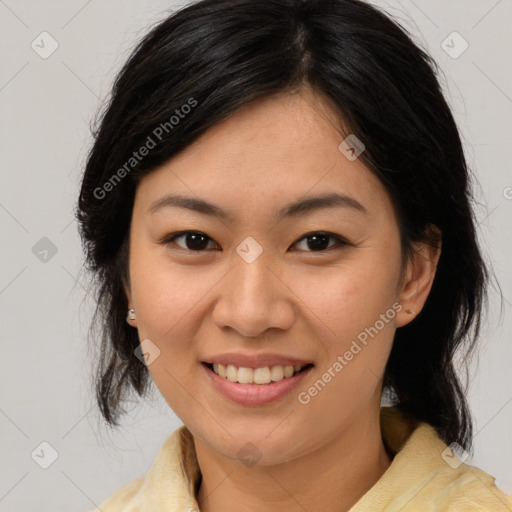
[332,477]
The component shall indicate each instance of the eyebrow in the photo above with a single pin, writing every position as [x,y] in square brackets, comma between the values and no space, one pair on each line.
[297,208]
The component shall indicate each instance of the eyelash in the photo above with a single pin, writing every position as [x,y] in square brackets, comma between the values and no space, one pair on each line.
[340,242]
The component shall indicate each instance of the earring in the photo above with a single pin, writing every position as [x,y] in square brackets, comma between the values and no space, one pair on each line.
[131,315]
[410,312]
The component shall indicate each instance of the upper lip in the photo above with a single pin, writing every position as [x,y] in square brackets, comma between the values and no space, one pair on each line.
[255,361]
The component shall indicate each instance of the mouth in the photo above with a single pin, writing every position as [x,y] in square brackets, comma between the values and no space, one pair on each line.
[264,375]
[255,387]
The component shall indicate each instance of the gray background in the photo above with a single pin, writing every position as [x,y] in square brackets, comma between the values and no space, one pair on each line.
[46,108]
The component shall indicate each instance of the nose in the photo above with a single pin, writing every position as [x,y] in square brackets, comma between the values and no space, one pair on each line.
[254,299]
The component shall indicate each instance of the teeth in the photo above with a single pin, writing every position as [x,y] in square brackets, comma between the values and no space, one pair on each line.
[277,373]
[288,371]
[232,373]
[263,375]
[245,375]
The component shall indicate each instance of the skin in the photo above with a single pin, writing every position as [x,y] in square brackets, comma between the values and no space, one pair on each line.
[291,300]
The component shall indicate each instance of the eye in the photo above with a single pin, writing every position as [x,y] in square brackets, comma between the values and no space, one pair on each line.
[198,242]
[319,241]
[193,240]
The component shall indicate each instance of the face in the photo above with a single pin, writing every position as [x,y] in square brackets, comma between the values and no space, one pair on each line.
[266,285]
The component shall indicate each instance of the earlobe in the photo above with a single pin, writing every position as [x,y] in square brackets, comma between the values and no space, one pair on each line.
[130,315]
[419,277]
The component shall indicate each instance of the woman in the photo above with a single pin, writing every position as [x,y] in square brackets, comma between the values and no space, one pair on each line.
[277,212]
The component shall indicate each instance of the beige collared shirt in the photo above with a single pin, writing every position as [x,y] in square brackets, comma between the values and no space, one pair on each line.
[424,476]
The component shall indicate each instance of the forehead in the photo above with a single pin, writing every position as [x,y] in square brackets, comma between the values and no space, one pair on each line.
[267,154]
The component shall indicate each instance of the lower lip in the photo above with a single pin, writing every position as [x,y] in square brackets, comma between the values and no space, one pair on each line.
[255,394]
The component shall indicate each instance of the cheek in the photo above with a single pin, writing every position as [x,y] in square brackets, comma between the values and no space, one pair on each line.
[342,299]
[353,310]
[353,307]
[349,297]
[163,293]
[167,302]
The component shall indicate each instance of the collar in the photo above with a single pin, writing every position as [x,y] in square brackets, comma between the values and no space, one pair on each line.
[419,471]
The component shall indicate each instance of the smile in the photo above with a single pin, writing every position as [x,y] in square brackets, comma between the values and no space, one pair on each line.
[262,375]
[261,389]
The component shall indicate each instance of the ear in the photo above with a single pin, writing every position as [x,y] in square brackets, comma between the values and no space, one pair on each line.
[418,277]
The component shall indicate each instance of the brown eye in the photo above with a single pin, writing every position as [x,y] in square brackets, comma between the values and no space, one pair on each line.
[318,242]
[193,240]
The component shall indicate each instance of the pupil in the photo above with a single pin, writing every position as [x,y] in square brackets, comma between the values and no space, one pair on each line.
[198,242]
[194,241]
[319,242]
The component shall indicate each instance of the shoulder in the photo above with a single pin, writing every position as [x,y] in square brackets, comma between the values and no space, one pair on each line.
[125,499]
[460,489]
[440,481]
[168,485]
[425,474]
[470,488]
